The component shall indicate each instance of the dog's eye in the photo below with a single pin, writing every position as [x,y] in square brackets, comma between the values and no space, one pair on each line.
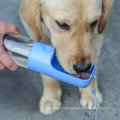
[63,25]
[94,24]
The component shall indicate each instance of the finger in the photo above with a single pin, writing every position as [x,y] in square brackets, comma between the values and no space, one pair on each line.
[14,67]
[1,37]
[8,62]
[2,66]
[12,29]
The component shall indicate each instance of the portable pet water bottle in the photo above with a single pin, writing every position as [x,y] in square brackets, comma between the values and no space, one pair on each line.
[41,58]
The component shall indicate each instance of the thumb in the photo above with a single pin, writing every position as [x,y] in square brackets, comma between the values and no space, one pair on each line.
[12,29]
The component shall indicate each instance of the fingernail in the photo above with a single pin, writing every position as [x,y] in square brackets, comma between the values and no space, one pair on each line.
[16,33]
[14,67]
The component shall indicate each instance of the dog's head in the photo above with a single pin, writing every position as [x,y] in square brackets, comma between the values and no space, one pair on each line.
[71,24]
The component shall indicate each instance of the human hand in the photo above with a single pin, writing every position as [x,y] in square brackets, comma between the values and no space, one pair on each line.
[5,60]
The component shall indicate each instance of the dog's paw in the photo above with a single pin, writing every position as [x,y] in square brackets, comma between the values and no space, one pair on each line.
[49,105]
[86,99]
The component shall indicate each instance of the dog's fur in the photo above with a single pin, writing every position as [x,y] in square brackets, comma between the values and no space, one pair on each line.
[76,43]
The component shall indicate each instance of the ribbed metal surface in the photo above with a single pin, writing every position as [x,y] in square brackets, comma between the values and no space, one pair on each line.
[19,47]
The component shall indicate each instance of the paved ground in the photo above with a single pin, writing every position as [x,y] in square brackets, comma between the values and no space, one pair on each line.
[20,91]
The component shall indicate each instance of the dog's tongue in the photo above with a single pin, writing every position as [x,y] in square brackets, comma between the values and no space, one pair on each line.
[82,75]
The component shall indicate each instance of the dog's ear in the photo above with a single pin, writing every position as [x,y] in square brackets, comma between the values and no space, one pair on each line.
[106,5]
[30,11]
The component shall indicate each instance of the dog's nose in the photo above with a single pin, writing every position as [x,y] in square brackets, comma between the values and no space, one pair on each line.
[82,68]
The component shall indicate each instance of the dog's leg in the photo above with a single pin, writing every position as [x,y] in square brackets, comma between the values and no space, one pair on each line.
[86,93]
[51,99]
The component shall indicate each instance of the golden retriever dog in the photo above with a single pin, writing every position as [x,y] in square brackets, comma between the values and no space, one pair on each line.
[74,28]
